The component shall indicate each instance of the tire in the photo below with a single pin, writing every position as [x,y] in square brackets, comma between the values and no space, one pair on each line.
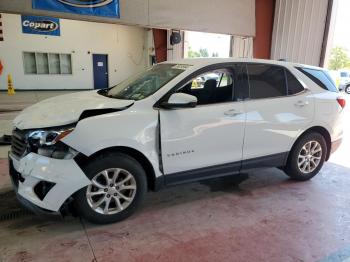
[299,170]
[119,167]
[347,89]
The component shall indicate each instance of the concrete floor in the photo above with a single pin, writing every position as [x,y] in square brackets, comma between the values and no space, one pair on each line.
[266,218]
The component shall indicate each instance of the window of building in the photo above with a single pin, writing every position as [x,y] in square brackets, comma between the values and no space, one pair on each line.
[54,64]
[47,63]
[266,81]
[66,64]
[29,63]
[294,86]
[211,87]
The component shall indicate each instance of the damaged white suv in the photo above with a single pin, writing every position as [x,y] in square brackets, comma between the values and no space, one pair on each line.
[100,151]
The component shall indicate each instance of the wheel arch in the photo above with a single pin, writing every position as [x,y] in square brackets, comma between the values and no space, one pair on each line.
[153,182]
[321,130]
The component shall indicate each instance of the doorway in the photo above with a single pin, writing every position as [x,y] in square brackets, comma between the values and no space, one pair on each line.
[100,68]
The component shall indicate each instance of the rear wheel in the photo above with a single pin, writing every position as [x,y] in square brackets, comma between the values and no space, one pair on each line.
[307,157]
[118,185]
[347,89]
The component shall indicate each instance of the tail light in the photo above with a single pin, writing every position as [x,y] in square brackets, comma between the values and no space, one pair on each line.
[341,101]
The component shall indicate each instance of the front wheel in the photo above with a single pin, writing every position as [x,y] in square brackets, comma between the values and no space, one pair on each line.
[307,157]
[347,89]
[118,185]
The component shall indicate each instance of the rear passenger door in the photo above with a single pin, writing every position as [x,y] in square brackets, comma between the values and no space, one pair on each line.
[278,108]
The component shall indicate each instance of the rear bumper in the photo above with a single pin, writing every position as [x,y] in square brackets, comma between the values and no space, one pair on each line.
[44,184]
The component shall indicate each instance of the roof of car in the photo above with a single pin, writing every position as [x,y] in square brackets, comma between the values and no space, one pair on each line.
[215,60]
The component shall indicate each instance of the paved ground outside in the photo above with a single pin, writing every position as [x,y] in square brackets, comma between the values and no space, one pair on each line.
[266,218]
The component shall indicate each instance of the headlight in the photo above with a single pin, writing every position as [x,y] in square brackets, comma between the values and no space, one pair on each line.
[47,137]
[47,143]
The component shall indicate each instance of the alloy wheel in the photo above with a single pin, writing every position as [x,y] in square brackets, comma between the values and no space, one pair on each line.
[112,191]
[309,157]
[347,89]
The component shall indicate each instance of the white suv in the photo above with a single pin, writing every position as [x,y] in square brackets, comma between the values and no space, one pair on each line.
[100,151]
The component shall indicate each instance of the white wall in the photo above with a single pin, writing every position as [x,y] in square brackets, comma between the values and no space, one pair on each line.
[125,46]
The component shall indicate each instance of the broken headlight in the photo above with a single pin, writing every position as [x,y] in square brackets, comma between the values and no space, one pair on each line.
[48,143]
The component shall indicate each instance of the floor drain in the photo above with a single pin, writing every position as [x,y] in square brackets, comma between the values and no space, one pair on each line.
[15,215]
[10,208]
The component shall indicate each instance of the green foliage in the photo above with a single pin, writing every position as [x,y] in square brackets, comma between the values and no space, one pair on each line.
[192,54]
[203,52]
[339,58]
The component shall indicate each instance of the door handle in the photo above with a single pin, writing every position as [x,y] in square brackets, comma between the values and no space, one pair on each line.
[301,103]
[232,112]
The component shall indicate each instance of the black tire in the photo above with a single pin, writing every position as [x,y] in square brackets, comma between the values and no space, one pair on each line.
[103,162]
[292,169]
[347,89]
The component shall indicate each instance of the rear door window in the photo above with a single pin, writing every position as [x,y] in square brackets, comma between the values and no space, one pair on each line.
[266,81]
[320,77]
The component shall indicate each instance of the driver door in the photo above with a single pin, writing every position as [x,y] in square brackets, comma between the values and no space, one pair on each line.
[206,140]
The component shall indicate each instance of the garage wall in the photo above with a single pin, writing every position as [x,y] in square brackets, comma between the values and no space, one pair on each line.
[125,46]
[175,52]
[241,47]
[264,15]
[236,17]
[298,30]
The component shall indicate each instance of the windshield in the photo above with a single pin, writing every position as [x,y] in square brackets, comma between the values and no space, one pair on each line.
[146,83]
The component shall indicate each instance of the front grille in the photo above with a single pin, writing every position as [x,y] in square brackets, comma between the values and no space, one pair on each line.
[18,142]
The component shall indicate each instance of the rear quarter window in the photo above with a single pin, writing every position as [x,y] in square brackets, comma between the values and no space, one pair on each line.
[320,77]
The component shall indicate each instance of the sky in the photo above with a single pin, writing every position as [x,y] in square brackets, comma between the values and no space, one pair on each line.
[212,42]
[342,25]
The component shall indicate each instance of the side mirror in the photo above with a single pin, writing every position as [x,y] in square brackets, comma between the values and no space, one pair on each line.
[180,100]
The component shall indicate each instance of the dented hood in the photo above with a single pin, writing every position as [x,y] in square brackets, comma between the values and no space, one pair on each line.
[65,109]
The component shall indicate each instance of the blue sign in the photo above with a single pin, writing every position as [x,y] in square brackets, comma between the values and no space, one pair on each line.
[40,25]
[108,8]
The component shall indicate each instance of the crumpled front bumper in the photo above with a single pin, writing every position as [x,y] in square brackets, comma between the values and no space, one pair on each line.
[64,176]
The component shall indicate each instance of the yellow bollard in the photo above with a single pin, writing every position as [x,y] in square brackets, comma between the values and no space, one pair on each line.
[10,88]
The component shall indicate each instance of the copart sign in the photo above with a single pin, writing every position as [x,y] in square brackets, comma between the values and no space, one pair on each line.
[108,8]
[41,25]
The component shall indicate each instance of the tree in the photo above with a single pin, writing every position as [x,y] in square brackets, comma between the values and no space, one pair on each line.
[339,58]
[204,52]
[192,54]
[215,54]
